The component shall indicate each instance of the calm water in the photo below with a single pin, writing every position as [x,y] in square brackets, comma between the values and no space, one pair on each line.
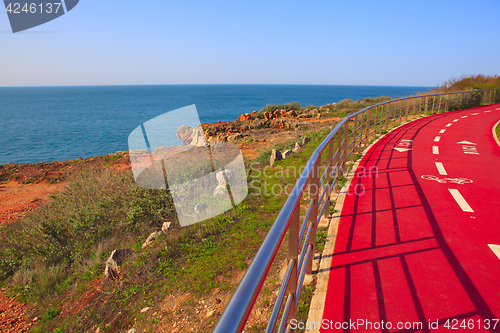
[59,123]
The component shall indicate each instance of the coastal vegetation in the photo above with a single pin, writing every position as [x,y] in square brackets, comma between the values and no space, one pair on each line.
[470,82]
[55,257]
[336,110]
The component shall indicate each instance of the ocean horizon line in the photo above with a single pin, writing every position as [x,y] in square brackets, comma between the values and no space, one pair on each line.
[219,84]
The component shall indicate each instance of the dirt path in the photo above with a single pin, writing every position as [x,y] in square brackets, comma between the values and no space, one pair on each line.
[12,317]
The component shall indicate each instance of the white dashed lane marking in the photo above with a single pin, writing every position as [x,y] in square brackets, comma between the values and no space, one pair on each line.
[448,125]
[497,109]
[460,200]
[495,248]
[487,111]
[456,120]
[442,131]
[464,117]
[441,169]
[475,114]
[435,150]
[437,138]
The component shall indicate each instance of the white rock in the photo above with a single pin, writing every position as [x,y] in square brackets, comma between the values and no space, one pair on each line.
[165,227]
[287,153]
[298,147]
[220,190]
[151,238]
[275,156]
[200,207]
[114,262]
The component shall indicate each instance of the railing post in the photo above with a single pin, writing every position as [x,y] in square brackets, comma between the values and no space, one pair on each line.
[338,160]
[439,106]
[367,130]
[387,116]
[313,216]
[329,167]
[407,111]
[344,147]
[399,111]
[378,120]
[354,135]
[293,254]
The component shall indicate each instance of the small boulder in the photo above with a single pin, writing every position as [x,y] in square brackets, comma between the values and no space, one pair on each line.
[275,156]
[287,153]
[200,207]
[115,260]
[297,148]
[220,190]
[306,140]
[151,238]
[224,176]
[165,227]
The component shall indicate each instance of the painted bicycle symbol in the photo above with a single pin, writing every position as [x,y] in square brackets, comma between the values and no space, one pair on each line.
[448,180]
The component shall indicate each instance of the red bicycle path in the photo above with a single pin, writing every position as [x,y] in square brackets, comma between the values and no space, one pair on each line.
[406,251]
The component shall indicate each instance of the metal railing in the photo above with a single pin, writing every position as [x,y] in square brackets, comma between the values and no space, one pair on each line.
[338,150]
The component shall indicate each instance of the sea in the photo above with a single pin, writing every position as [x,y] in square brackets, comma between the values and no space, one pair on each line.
[45,124]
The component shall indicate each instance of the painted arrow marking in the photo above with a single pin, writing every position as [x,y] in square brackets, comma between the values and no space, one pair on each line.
[403,145]
[469,147]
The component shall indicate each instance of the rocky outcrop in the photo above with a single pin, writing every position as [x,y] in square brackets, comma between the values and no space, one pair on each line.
[231,131]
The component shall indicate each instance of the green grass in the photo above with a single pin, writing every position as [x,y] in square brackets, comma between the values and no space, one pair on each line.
[498,131]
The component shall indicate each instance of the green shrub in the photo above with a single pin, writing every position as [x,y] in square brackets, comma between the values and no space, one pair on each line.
[98,207]
[288,107]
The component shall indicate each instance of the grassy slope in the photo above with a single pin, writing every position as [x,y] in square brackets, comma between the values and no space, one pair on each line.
[54,258]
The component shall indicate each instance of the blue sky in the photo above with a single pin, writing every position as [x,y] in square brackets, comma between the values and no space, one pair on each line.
[415,43]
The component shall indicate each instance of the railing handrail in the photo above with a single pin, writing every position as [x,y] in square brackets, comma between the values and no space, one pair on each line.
[239,307]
